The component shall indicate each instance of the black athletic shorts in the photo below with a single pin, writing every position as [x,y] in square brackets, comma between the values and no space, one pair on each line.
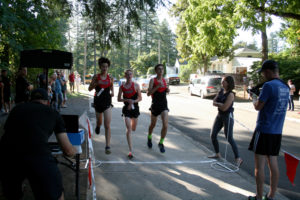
[131,113]
[102,104]
[158,109]
[6,97]
[42,173]
[265,143]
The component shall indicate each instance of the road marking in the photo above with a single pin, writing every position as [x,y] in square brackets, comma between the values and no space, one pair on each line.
[177,162]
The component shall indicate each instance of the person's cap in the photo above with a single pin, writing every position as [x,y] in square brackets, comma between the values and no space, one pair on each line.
[268,64]
[39,94]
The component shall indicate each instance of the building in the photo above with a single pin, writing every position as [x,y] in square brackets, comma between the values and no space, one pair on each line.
[240,64]
[176,68]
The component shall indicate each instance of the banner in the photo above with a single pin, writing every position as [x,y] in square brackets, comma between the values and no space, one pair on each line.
[291,166]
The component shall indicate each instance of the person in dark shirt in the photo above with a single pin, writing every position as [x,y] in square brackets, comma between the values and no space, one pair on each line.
[224,102]
[42,79]
[24,146]
[23,87]
[6,91]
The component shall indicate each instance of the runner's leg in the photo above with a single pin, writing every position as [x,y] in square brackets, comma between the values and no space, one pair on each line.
[165,120]
[107,120]
[134,122]
[127,121]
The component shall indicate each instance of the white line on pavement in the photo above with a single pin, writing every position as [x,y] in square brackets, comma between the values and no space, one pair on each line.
[177,162]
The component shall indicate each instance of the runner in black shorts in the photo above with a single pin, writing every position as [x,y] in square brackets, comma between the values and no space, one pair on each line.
[104,91]
[158,90]
[131,96]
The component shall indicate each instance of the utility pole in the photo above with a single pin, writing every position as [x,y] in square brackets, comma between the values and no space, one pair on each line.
[95,64]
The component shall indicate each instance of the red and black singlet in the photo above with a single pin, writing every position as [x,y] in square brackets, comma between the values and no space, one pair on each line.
[159,96]
[129,93]
[103,83]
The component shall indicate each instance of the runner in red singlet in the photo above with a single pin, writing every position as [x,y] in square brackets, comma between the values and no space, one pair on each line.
[104,91]
[131,96]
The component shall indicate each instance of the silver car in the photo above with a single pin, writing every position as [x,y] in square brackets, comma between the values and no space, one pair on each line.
[144,84]
[205,86]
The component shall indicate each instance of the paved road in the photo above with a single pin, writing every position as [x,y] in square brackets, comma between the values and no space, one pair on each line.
[194,117]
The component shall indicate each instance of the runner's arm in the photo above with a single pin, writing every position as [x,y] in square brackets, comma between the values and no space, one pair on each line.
[152,89]
[112,93]
[138,90]
[93,83]
[65,144]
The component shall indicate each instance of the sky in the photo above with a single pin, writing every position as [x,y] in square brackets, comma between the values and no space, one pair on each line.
[243,35]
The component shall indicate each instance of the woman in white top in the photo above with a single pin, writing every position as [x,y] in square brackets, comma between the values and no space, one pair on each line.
[77,82]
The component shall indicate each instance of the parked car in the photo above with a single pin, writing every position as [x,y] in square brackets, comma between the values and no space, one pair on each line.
[205,86]
[88,78]
[173,79]
[144,84]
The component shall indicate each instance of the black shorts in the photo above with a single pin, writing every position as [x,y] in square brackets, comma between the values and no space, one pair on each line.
[102,105]
[158,109]
[42,173]
[6,97]
[265,143]
[131,113]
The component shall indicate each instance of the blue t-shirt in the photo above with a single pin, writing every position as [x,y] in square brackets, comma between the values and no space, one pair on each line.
[57,86]
[275,95]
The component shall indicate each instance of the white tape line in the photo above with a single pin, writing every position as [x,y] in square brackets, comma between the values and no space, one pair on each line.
[157,162]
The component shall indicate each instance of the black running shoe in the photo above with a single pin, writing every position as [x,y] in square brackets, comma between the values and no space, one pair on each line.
[107,150]
[161,148]
[97,130]
[149,143]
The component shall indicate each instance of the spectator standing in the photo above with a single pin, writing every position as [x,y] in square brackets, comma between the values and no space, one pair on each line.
[27,129]
[224,102]
[64,90]
[266,141]
[23,87]
[292,91]
[71,80]
[78,82]
[42,79]
[52,84]
[6,91]
[58,92]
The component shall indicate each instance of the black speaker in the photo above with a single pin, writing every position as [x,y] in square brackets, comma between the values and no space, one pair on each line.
[44,58]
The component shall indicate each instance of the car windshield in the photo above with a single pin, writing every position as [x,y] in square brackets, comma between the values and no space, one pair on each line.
[214,81]
[172,75]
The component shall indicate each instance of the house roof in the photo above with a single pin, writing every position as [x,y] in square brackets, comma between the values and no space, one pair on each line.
[245,52]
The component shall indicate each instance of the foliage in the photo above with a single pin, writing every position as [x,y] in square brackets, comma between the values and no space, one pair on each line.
[185,72]
[288,68]
[291,31]
[144,62]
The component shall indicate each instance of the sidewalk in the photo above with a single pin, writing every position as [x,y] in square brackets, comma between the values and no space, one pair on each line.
[182,172]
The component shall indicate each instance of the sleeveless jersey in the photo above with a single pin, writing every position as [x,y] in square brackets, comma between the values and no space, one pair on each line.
[128,93]
[159,96]
[222,97]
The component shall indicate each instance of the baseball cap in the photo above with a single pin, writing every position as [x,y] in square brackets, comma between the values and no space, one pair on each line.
[268,64]
[39,94]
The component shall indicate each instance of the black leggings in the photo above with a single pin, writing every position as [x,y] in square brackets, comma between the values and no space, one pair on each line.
[224,120]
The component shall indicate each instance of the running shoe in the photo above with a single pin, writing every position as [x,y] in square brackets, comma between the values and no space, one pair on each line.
[130,156]
[161,148]
[238,162]
[149,143]
[252,198]
[107,150]
[97,130]
[266,198]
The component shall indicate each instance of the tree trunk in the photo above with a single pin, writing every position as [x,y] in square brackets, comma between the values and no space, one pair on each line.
[264,37]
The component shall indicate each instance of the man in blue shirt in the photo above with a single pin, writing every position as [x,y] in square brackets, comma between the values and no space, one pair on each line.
[58,91]
[266,141]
